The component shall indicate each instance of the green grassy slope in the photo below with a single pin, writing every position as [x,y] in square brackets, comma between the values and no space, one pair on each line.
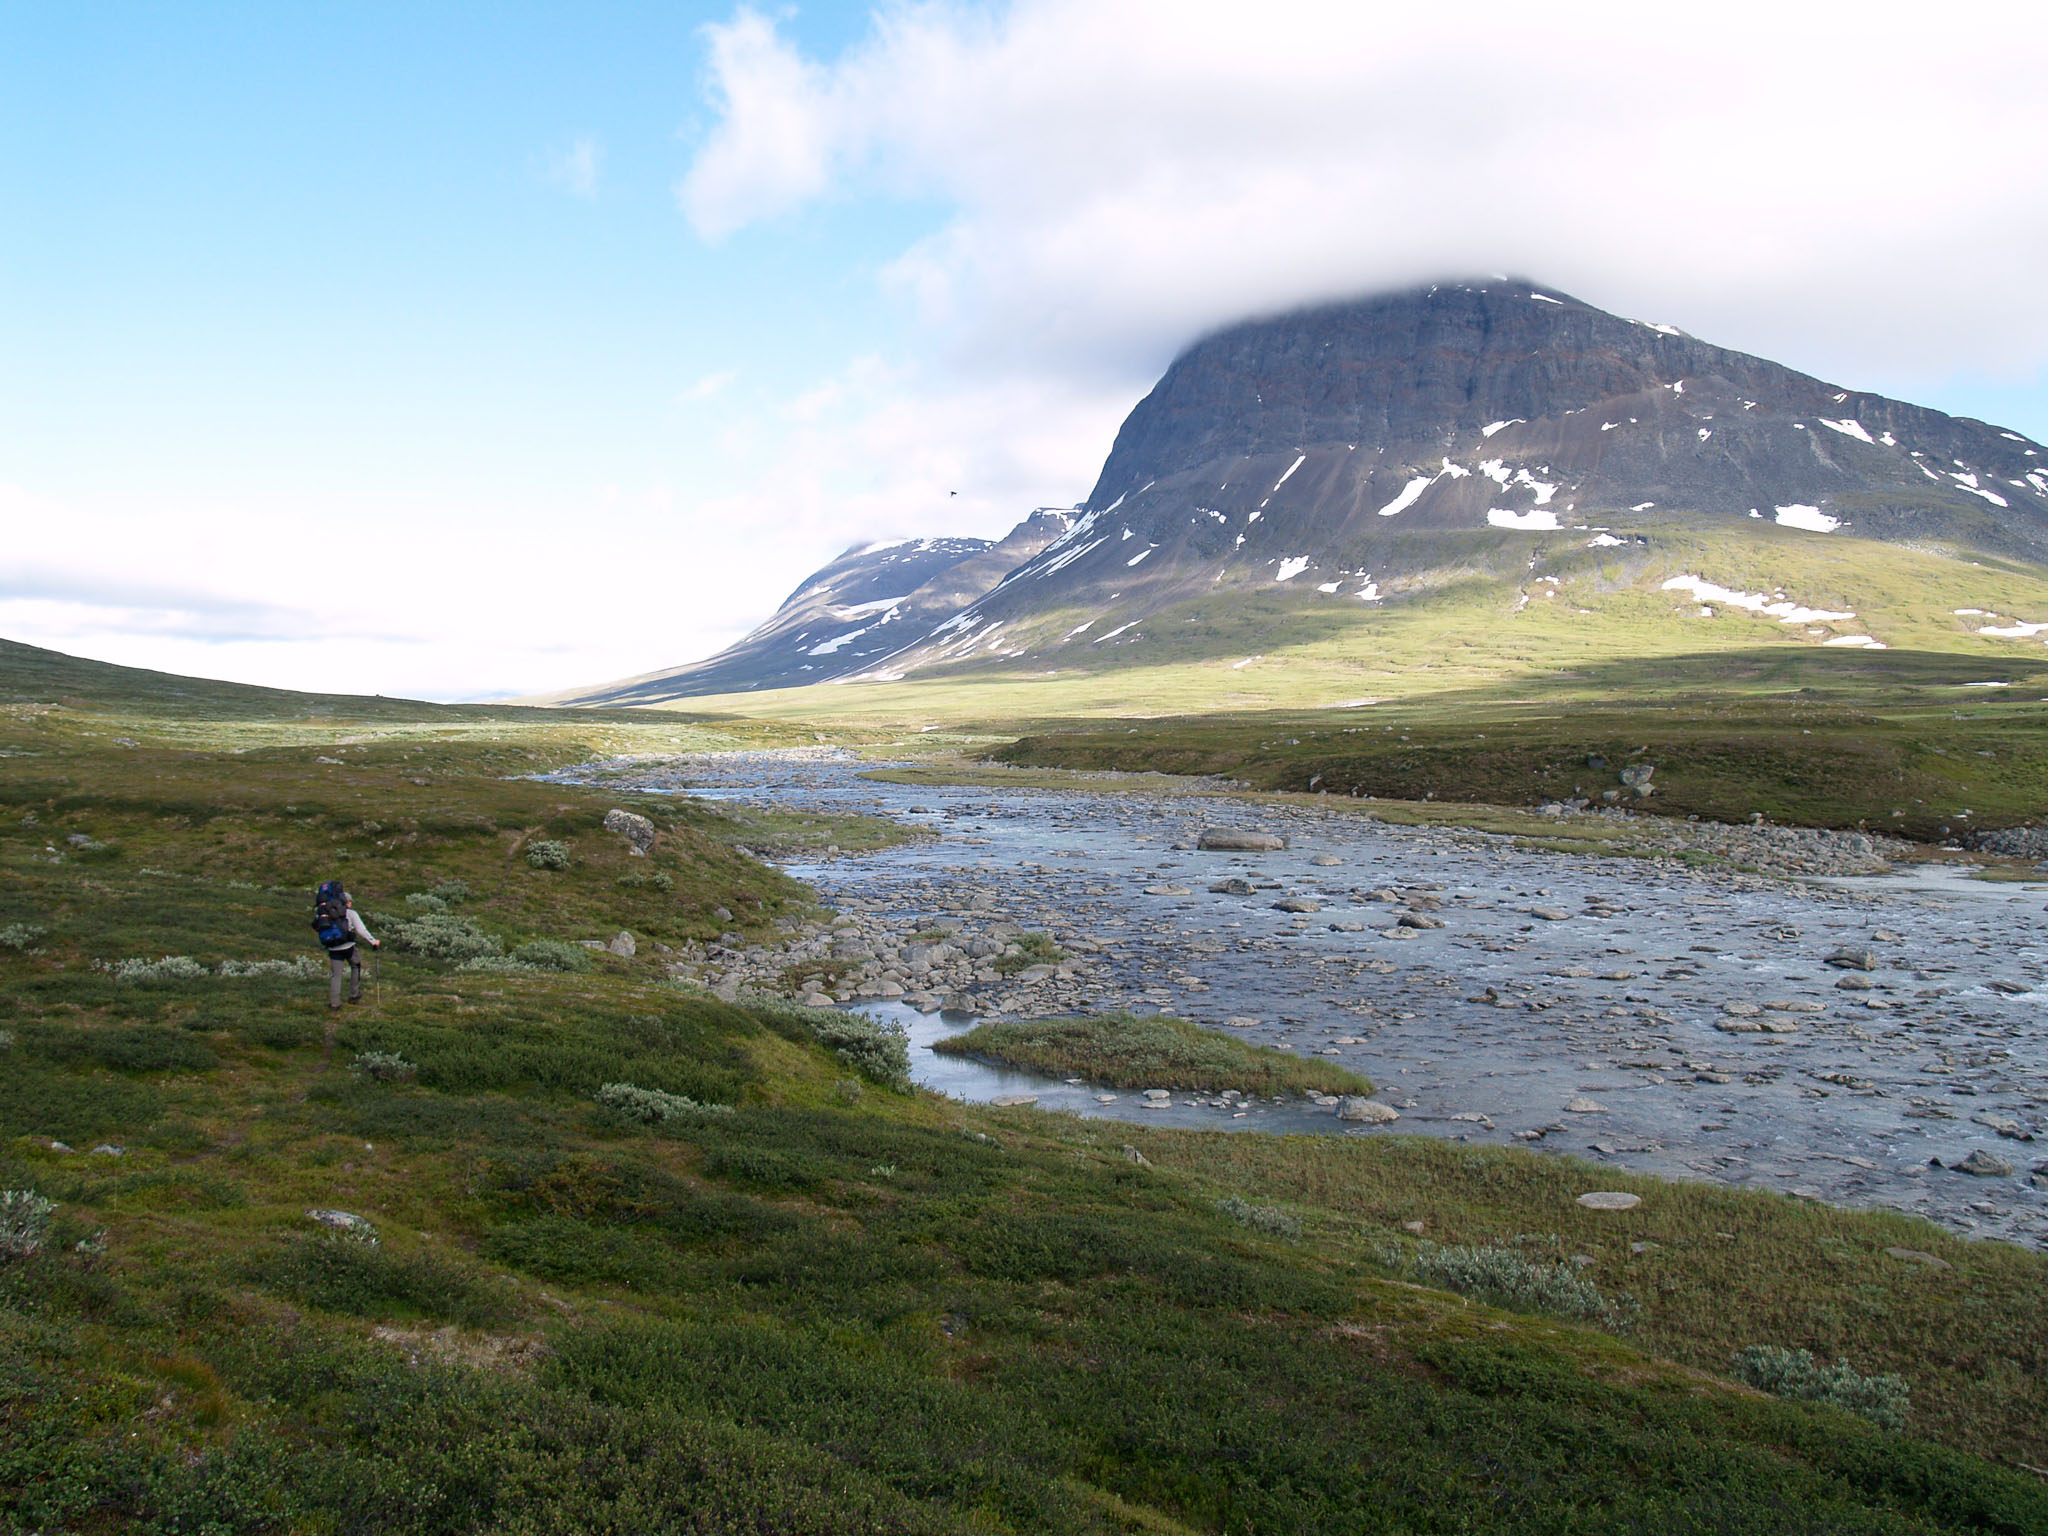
[832,1305]
[1558,607]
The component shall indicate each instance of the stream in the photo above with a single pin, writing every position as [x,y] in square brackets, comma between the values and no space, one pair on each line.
[1673,1018]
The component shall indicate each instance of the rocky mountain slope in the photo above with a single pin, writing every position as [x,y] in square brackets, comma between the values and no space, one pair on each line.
[1377,449]
[871,601]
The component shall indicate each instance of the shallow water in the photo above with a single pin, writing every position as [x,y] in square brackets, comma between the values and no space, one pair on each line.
[1502,1013]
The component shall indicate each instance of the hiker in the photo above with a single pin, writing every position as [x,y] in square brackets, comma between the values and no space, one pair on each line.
[338,925]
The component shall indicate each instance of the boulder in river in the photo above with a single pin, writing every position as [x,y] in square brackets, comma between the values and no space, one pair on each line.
[1355,1106]
[2005,1125]
[1853,957]
[1984,1165]
[1297,904]
[1236,885]
[1230,840]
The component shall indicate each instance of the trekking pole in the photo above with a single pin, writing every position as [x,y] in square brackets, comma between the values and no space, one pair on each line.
[377,979]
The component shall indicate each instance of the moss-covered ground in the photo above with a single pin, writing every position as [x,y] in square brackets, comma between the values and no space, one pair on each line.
[831,1305]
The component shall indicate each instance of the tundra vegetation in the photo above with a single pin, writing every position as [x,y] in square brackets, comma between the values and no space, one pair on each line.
[594,1251]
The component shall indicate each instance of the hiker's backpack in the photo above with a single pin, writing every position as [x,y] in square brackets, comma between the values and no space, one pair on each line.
[330,916]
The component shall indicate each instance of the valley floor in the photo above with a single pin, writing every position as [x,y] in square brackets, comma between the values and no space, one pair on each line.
[541,1238]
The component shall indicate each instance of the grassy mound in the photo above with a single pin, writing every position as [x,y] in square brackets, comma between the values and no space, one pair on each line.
[1122,1050]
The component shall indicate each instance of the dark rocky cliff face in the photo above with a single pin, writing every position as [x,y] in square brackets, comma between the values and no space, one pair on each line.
[1437,383]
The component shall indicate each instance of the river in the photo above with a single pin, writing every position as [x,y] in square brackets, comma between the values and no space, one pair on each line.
[1648,1013]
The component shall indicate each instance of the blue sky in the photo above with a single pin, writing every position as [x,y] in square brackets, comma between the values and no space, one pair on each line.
[463,350]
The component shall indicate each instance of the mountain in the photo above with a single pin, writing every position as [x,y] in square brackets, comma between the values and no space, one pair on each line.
[1374,449]
[871,601]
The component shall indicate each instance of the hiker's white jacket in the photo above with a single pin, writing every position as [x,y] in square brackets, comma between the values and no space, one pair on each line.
[356,928]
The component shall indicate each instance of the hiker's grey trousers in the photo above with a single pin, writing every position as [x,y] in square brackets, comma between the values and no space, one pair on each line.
[349,963]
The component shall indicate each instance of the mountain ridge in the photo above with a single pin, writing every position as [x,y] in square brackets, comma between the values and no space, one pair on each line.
[1360,450]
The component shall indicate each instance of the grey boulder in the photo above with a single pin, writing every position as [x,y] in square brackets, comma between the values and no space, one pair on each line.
[636,829]
[1229,840]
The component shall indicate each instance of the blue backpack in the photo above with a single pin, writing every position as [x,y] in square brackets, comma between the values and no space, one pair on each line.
[330,916]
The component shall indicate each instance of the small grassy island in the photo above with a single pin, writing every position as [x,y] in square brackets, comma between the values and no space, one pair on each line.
[1122,1050]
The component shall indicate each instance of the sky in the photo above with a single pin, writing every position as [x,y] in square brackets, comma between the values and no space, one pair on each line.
[465,351]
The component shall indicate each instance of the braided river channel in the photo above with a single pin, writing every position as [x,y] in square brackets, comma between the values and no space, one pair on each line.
[1676,1018]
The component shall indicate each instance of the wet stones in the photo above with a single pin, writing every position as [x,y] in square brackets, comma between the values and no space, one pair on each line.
[2004,1125]
[1759,1025]
[1984,1165]
[1230,840]
[1236,885]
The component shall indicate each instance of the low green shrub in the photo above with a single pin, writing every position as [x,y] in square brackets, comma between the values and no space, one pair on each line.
[21,935]
[169,968]
[384,1067]
[426,901]
[650,1106]
[451,891]
[24,1223]
[1794,1373]
[1505,1277]
[301,968]
[552,955]
[342,1273]
[759,1165]
[441,936]
[876,1050]
[1269,1219]
[547,854]
[135,1048]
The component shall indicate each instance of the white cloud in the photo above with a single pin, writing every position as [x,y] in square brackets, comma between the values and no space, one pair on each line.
[576,168]
[708,387]
[1849,193]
